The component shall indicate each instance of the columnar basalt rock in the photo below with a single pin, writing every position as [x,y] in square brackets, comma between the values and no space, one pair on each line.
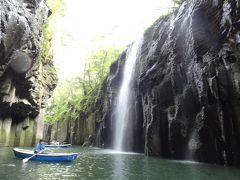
[187,83]
[26,82]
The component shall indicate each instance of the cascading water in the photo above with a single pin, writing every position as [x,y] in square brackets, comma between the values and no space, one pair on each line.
[124,100]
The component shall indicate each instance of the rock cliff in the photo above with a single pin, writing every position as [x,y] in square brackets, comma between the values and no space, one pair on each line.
[26,81]
[186,84]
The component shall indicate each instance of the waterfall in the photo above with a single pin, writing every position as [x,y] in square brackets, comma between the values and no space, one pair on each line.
[124,100]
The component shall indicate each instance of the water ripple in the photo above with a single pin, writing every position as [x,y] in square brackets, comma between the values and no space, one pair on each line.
[107,164]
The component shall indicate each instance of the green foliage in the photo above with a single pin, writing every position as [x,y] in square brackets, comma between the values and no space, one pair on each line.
[166,15]
[161,18]
[46,45]
[57,7]
[66,93]
[179,2]
[58,10]
[78,95]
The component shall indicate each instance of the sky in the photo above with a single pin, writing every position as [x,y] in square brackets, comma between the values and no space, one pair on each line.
[91,24]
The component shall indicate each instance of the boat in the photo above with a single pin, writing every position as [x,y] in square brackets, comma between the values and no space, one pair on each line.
[24,153]
[57,145]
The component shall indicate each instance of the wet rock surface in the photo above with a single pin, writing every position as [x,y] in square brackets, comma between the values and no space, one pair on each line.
[25,81]
[186,85]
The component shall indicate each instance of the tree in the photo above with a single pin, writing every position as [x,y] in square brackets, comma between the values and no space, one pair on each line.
[79,94]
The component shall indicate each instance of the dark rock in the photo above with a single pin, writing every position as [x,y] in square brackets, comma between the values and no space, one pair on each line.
[186,86]
[25,81]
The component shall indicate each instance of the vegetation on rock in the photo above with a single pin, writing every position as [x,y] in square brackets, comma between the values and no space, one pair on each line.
[58,9]
[79,95]
[179,2]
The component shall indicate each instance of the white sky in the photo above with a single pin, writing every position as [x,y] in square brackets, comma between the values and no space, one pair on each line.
[115,22]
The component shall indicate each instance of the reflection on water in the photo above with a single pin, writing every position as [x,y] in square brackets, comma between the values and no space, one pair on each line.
[118,171]
[95,163]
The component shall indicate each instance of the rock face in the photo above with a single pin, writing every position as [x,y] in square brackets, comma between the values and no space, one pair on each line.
[187,86]
[80,131]
[25,81]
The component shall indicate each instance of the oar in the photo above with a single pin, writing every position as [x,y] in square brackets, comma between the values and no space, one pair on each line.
[26,159]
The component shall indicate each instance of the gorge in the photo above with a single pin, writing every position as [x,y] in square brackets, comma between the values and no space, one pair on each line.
[184,80]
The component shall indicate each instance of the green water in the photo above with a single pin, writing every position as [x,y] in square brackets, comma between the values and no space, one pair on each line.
[102,164]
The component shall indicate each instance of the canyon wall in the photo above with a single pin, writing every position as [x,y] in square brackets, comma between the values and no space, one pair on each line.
[26,80]
[186,84]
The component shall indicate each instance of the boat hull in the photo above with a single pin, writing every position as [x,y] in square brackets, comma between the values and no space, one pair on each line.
[22,153]
[58,146]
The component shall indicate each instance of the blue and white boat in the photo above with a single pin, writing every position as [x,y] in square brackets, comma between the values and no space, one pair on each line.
[24,153]
[57,145]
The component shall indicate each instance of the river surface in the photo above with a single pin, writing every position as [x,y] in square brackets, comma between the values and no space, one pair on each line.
[100,164]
